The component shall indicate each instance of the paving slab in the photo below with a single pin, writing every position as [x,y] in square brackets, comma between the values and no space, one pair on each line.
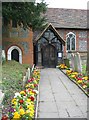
[59,97]
[48,115]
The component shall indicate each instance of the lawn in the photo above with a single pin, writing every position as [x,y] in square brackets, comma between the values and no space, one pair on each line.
[12,74]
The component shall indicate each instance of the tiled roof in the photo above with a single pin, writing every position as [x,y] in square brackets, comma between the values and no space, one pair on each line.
[67,18]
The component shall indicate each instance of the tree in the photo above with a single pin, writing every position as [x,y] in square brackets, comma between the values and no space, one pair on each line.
[28,14]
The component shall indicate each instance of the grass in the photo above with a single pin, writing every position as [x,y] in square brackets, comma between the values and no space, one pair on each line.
[12,74]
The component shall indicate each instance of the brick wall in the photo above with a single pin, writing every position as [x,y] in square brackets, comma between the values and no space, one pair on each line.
[21,38]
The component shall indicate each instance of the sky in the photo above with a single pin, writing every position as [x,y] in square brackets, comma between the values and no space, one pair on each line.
[72,4]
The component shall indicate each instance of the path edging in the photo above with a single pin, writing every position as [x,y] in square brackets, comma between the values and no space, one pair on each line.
[75,83]
[37,101]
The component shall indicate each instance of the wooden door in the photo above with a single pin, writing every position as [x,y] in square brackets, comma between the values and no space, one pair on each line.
[49,56]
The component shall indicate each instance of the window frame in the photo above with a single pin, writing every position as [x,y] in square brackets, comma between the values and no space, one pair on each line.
[70,41]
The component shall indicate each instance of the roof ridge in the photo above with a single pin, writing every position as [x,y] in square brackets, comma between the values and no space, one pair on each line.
[68,9]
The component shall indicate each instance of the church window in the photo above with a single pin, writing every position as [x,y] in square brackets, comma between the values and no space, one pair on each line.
[71,41]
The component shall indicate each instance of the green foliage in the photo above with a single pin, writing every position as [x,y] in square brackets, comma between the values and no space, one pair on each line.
[27,13]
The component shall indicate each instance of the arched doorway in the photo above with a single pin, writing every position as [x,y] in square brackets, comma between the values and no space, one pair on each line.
[49,56]
[15,55]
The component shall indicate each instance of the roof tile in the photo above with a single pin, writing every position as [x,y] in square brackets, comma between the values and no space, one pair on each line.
[67,18]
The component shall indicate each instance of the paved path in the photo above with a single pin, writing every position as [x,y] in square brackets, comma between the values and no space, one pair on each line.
[60,97]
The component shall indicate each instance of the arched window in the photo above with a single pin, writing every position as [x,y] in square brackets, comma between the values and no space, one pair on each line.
[71,41]
[14,53]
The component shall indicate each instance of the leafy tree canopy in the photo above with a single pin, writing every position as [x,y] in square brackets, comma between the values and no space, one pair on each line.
[27,13]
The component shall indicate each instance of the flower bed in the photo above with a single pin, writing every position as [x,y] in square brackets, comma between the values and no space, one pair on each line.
[24,102]
[78,78]
[62,66]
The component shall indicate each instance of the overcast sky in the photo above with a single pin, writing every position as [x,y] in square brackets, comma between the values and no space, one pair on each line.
[73,4]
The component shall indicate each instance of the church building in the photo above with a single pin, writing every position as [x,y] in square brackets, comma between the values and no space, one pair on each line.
[66,32]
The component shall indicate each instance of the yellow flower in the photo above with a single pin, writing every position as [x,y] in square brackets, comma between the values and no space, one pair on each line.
[21,111]
[68,72]
[73,76]
[27,85]
[32,114]
[31,93]
[15,103]
[62,66]
[27,111]
[85,78]
[13,100]
[35,81]
[30,106]
[16,115]
[79,81]
[74,73]
[28,100]
[66,67]
[22,92]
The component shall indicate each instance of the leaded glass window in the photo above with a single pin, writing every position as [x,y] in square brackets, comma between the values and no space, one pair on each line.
[71,41]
